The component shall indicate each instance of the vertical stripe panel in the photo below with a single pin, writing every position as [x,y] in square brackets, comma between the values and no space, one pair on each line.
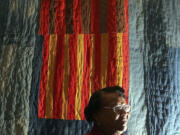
[44,70]
[126,52]
[120,6]
[119,59]
[97,42]
[58,77]
[80,64]
[44,17]
[104,58]
[86,16]
[52,16]
[137,98]
[73,75]
[92,63]
[60,26]
[86,73]
[111,75]
[65,78]
[103,16]
[50,75]
[97,62]
[77,20]
[69,16]
[95,16]
[112,43]
[59,68]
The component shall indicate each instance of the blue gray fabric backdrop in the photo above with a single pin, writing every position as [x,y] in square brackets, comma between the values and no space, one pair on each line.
[154,70]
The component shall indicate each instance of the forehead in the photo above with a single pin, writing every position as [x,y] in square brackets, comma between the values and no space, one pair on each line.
[112,99]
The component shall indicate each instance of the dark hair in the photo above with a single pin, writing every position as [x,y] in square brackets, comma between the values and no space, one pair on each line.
[95,101]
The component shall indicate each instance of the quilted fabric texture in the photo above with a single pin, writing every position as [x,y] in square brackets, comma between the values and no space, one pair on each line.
[154,67]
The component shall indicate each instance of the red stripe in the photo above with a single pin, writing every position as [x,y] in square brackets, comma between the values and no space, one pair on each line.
[111,69]
[125,39]
[44,70]
[95,7]
[58,77]
[111,16]
[77,20]
[60,26]
[58,74]
[44,20]
[86,73]
[97,63]
[111,72]
[73,76]
[95,16]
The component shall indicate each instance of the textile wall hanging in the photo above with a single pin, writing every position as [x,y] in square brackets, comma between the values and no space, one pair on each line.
[85,48]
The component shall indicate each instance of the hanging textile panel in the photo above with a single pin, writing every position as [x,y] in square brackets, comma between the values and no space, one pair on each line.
[85,48]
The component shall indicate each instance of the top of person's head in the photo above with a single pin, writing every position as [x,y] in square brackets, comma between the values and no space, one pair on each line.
[95,100]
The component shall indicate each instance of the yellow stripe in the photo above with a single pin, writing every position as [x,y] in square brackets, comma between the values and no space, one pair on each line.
[65,78]
[92,65]
[80,61]
[50,76]
[104,58]
[119,59]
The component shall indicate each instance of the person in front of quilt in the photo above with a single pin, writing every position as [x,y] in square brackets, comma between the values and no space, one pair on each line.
[108,111]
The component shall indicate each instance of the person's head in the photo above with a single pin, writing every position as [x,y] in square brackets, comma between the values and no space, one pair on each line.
[108,110]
